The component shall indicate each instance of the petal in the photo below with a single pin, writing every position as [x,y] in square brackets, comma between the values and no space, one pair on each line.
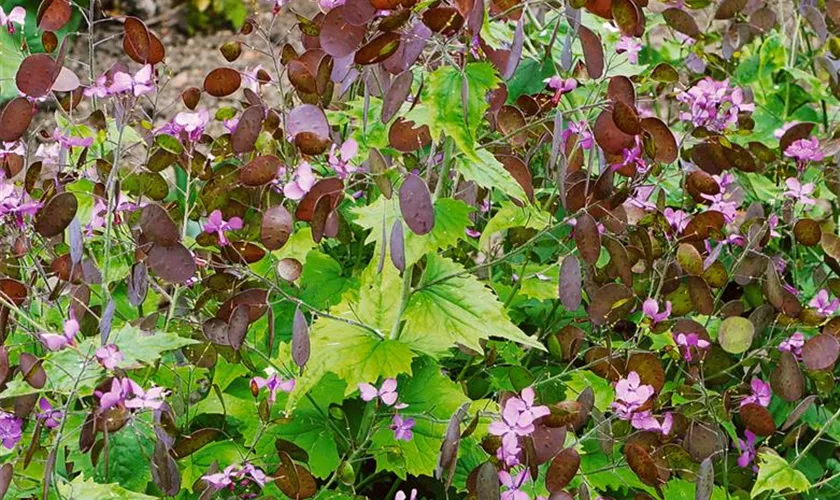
[389,385]
[368,392]
[389,398]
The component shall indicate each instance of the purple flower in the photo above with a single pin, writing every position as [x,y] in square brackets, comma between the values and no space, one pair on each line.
[630,395]
[234,474]
[56,342]
[651,309]
[122,83]
[747,450]
[340,158]
[302,181]
[629,46]
[524,406]
[677,219]
[641,198]
[387,392]
[152,399]
[643,420]
[823,305]
[10,429]
[560,86]
[273,383]
[761,393]
[69,141]
[805,150]
[402,428]
[109,356]
[713,104]
[16,16]
[514,484]
[191,124]
[633,157]
[695,63]
[216,224]
[793,344]
[800,192]
[13,202]
[221,480]
[48,414]
[472,233]
[401,495]
[114,397]
[509,451]
[687,342]
[581,130]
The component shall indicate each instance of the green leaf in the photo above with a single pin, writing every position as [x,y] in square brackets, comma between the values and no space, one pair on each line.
[87,488]
[309,427]
[298,246]
[452,310]
[776,475]
[10,58]
[138,347]
[432,399]
[509,216]
[485,170]
[581,379]
[354,353]
[321,282]
[451,219]
[124,465]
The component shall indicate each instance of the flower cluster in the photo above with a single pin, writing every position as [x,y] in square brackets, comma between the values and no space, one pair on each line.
[235,476]
[713,104]
[10,429]
[822,303]
[630,397]
[122,83]
[518,417]
[793,345]
[804,151]
[187,124]
[14,202]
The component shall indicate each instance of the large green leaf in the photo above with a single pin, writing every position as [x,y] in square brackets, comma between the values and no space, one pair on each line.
[775,474]
[509,216]
[354,353]
[485,170]
[432,399]
[454,310]
[87,488]
[137,346]
[10,58]
[451,219]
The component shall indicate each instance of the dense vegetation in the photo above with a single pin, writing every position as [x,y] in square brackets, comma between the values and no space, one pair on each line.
[493,249]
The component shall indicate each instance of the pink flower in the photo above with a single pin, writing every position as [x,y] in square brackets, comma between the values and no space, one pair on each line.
[221,480]
[16,16]
[69,141]
[10,429]
[761,393]
[509,451]
[800,192]
[651,309]
[109,356]
[747,450]
[629,46]
[677,219]
[472,233]
[402,428]
[152,399]
[273,383]
[688,342]
[115,396]
[48,414]
[401,495]
[139,84]
[339,159]
[793,344]
[821,303]
[524,406]
[191,124]
[55,342]
[560,86]
[581,130]
[514,484]
[15,202]
[805,150]
[633,157]
[643,420]
[216,224]
[302,181]
[233,474]
[387,392]
[630,395]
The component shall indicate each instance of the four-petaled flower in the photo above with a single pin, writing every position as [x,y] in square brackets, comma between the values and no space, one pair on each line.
[233,474]
[15,16]
[190,124]
[630,47]
[823,305]
[51,416]
[580,129]
[713,104]
[402,428]
[216,224]
[57,342]
[387,392]
[339,158]
[760,394]
[643,420]
[514,484]
[687,342]
[800,192]
[10,429]
[805,150]
[747,450]
[109,356]
[677,219]
[793,344]
[273,383]
[560,86]
[302,181]
[651,309]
